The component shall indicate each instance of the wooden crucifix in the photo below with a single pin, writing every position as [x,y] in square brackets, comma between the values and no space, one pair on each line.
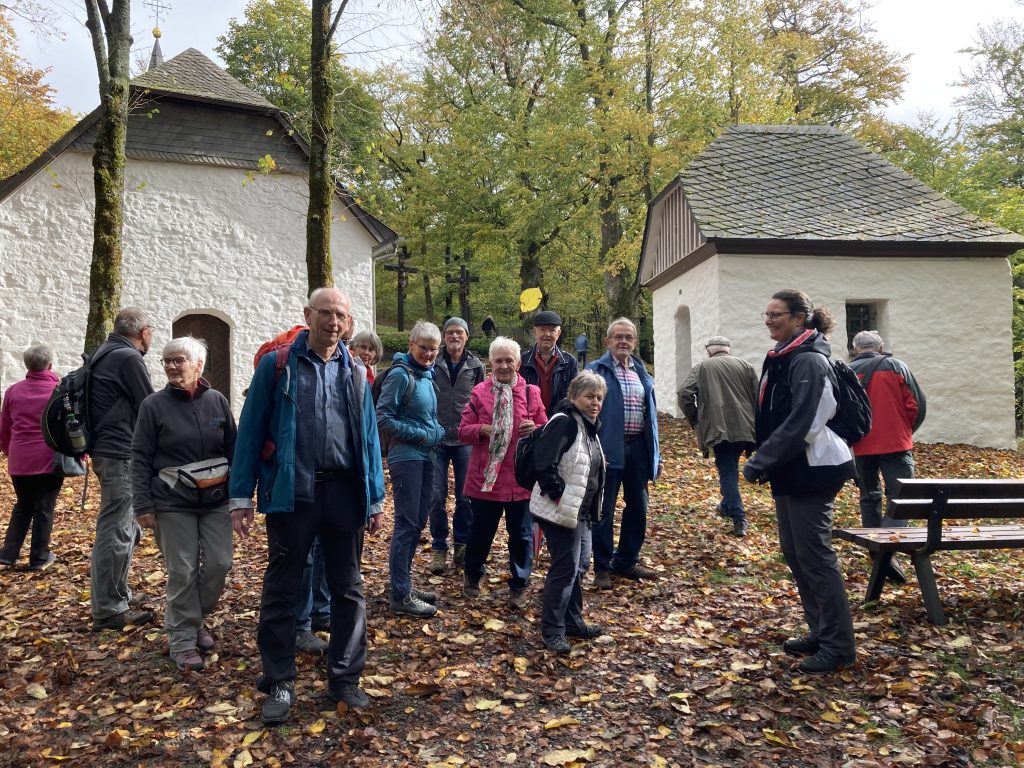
[403,270]
[463,280]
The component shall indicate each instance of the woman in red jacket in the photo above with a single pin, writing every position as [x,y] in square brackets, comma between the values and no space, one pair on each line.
[501,410]
[30,461]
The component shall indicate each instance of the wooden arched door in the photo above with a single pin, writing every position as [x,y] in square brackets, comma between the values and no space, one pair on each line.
[217,335]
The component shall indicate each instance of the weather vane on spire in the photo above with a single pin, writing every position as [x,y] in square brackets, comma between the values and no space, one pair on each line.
[158,7]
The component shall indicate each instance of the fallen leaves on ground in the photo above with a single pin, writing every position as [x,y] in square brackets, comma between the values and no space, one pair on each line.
[689,673]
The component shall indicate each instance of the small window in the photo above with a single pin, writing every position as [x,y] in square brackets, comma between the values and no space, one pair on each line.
[860,317]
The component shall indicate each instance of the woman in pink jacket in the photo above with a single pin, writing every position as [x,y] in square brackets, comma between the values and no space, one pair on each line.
[501,410]
[30,461]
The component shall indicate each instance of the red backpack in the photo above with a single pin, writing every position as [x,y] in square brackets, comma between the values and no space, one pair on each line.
[279,345]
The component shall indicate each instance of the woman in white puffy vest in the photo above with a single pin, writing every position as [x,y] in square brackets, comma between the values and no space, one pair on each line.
[566,502]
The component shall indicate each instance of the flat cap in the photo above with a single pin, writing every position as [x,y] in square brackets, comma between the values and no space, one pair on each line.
[718,341]
[547,317]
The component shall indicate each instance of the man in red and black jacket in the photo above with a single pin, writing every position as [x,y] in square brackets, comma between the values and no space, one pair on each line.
[897,410]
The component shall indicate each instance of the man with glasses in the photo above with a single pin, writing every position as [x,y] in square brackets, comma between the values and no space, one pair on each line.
[629,437]
[308,446]
[545,364]
[411,422]
[118,383]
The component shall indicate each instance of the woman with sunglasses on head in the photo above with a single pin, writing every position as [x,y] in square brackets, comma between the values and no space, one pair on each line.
[806,464]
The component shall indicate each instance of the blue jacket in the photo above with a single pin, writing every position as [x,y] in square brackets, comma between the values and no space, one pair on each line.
[613,419]
[414,425]
[264,457]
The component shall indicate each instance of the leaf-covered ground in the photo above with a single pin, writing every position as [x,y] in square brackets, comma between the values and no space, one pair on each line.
[691,672]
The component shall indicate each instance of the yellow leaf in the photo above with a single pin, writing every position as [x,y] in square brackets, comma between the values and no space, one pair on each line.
[494,625]
[558,722]
[35,690]
[776,738]
[530,299]
[738,666]
[316,727]
[961,642]
[243,759]
[464,639]
[520,664]
[566,756]
[657,761]
[252,737]
[664,730]
[830,717]
[221,708]
[482,704]
[589,697]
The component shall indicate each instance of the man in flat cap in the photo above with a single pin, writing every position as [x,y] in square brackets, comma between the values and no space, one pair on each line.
[544,364]
[717,399]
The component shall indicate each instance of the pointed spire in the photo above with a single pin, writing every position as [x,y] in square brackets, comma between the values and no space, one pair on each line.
[157,57]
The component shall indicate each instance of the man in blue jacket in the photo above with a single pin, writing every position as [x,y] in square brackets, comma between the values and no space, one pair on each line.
[307,444]
[629,437]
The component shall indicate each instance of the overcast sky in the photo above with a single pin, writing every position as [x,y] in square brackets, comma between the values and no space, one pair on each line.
[930,31]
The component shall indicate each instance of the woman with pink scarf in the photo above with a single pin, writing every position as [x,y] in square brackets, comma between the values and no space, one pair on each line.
[501,410]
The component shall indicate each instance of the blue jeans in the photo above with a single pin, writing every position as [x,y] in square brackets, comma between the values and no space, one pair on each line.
[633,528]
[462,518]
[893,467]
[412,484]
[727,461]
[314,598]
[518,523]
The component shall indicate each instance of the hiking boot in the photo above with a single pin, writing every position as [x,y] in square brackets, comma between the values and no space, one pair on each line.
[6,563]
[603,579]
[721,511]
[739,527]
[350,693]
[471,587]
[307,642]
[137,599]
[411,606]
[586,632]
[824,662]
[557,643]
[437,561]
[122,620]
[188,660]
[278,706]
[518,598]
[459,556]
[50,560]
[204,640]
[895,574]
[636,573]
[805,645]
[426,597]
[320,624]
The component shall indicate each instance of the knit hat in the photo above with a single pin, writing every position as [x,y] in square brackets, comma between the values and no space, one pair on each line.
[718,341]
[547,317]
[456,321]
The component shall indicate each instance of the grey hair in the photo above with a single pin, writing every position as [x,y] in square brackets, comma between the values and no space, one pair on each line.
[621,321]
[131,321]
[193,349]
[501,343]
[426,331]
[714,349]
[38,357]
[868,340]
[369,338]
[586,381]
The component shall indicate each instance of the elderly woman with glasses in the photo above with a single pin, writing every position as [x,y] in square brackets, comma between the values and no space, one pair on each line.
[407,421]
[366,345]
[184,440]
[501,410]
[30,461]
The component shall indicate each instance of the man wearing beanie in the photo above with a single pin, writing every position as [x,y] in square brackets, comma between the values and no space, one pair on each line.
[456,372]
[717,399]
[545,365]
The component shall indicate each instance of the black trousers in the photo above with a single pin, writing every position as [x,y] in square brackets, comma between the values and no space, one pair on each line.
[36,497]
[338,516]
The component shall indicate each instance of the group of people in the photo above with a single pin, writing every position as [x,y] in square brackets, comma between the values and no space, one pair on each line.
[318,422]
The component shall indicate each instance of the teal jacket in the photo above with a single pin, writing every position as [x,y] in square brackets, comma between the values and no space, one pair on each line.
[413,424]
[264,457]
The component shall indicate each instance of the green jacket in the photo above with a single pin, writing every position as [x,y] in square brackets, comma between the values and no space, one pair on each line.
[718,399]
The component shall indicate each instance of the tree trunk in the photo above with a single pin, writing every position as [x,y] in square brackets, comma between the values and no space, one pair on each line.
[111,45]
[319,270]
[428,297]
[531,274]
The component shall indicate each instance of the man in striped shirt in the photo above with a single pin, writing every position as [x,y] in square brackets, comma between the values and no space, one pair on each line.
[629,437]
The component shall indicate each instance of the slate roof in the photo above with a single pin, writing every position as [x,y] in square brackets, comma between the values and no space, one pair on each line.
[191,73]
[817,183]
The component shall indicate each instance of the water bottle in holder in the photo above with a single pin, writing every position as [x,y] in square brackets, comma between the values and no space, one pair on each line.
[75,432]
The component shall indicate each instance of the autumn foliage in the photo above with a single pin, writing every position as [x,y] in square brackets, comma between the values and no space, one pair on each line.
[691,672]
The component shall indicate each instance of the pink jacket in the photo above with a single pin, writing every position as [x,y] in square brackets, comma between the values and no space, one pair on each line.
[21,436]
[480,410]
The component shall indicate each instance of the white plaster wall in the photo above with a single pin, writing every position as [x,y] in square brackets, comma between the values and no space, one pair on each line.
[949,319]
[197,239]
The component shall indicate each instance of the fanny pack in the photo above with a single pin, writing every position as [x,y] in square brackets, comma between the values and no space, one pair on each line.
[203,483]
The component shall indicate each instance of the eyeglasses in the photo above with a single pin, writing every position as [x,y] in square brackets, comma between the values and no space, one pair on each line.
[327,314]
[624,337]
[174,362]
[427,350]
[773,316]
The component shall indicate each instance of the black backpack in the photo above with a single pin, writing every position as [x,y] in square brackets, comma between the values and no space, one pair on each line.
[853,410]
[65,420]
[387,439]
[526,473]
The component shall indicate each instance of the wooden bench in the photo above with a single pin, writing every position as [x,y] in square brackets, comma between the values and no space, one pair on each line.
[937,502]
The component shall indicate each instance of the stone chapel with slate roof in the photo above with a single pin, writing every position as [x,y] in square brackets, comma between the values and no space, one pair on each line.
[212,246]
[765,208]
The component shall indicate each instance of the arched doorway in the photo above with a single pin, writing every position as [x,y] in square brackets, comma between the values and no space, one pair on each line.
[217,335]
